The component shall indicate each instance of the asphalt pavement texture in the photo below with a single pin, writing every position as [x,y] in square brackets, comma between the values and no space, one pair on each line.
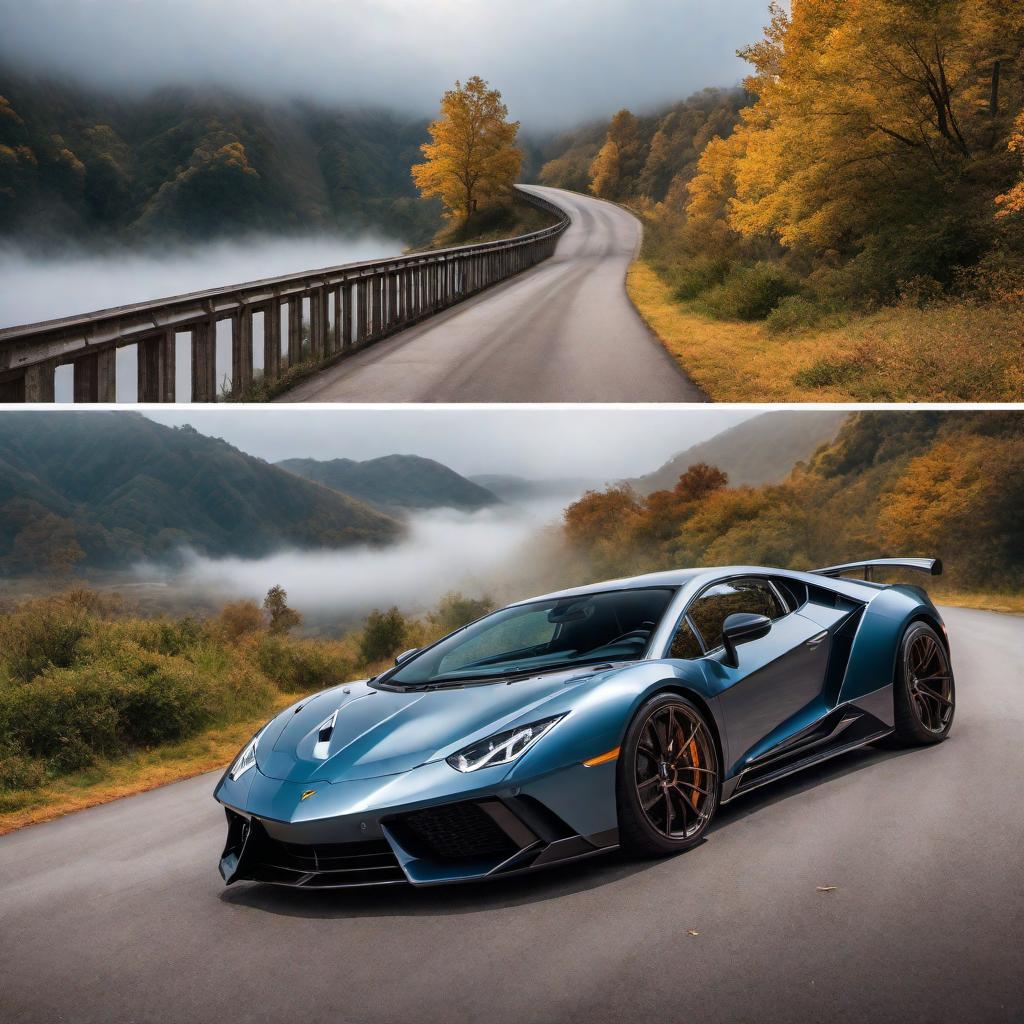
[563,331]
[118,914]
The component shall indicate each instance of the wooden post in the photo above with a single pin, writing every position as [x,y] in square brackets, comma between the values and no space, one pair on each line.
[317,324]
[38,383]
[363,310]
[156,368]
[204,361]
[346,314]
[241,351]
[95,376]
[339,313]
[378,302]
[295,330]
[393,298]
[272,342]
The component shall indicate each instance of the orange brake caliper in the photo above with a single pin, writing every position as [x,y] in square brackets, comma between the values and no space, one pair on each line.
[695,762]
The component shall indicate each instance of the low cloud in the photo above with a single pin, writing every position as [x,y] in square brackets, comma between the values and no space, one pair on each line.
[557,61]
[445,550]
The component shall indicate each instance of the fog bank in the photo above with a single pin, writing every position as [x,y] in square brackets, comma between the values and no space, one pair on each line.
[445,550]
[557,61]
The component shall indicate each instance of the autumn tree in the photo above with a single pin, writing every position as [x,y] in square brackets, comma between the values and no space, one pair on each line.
[616,168]
[878,135]
[472,160]
[1011,203]
[282,618]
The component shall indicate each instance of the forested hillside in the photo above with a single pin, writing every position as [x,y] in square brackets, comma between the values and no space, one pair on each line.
[944,484]
[105,490]
[196,163]
[641,159]
[395,482]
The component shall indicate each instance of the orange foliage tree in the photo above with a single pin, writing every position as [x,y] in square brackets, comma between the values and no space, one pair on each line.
[472,160]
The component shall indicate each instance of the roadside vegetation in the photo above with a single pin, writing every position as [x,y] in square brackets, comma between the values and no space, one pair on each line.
[848,227]
[96,703]
[945,484]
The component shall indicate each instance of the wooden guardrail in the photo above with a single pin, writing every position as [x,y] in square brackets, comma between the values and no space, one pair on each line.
[349,307]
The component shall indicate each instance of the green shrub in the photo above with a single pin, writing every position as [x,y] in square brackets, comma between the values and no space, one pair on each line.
[383,635]
[41,634]
[304,666]
[456,610]
[697,275]
[69,717]
[172,637]
[793,313]
[18,771]
[750,293]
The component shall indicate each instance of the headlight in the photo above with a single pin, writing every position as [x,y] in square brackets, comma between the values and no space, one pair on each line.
[502,747]
[247,758]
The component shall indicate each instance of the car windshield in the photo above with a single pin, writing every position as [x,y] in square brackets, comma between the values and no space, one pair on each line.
[537,637]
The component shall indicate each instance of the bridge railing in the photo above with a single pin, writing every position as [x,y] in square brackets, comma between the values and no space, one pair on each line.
[309,319]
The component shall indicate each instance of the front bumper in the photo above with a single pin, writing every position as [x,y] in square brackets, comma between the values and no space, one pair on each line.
[388,830]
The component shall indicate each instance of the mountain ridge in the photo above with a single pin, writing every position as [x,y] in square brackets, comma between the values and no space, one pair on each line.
[395,482]
[110,489]
[761,450]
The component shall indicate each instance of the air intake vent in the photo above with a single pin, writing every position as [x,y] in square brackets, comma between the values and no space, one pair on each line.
[323,738]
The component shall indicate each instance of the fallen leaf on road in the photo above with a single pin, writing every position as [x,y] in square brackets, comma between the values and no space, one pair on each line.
[692,931]
[827,888]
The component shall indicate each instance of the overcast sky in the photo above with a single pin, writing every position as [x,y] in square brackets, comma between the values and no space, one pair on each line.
[556,61]
[593,443]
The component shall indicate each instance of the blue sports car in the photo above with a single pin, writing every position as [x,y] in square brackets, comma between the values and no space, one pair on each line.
[620,714]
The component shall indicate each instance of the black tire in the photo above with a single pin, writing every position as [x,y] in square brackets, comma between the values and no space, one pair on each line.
[924,693]
[687,786]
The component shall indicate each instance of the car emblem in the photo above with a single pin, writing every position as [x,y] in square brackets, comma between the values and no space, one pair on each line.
[307,795]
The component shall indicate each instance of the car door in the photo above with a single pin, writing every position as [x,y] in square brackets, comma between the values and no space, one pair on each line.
[777,676]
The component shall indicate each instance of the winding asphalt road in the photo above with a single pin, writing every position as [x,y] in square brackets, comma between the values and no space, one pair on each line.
[117,913]
[564,331]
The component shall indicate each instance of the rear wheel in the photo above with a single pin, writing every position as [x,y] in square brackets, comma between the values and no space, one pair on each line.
[668,777]
[924,695]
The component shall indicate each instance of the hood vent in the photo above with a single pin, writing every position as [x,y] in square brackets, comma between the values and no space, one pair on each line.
[322,749]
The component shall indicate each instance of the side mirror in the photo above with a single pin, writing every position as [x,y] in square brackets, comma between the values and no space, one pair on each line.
[406,655]
[741,628]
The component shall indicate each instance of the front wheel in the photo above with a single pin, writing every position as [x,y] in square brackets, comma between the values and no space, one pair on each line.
[668,778]
[924,695]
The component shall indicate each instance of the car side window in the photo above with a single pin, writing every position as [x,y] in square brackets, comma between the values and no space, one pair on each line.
[716,604]
[685,644]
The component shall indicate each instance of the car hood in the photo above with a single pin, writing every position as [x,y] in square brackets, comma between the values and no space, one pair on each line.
[379,732]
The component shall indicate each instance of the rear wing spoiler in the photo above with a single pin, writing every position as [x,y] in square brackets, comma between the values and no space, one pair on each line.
[929,566]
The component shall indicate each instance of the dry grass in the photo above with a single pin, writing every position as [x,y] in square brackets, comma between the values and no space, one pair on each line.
[146,769]
[952,352]
[1010,603]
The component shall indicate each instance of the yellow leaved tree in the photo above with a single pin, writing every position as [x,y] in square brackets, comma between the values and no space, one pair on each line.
[472,160]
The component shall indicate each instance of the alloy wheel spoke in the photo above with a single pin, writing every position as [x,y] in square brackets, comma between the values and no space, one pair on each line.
[648,807]
[690,785]
[924,691]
